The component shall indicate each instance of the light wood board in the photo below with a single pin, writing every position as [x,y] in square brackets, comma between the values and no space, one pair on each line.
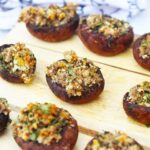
[124,60]
[105,113]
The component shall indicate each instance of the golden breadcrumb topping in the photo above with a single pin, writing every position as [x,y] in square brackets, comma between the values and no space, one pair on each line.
[109,141]
[42,123]
[51,16]
[18,60]
[106,25]
[74,74]
[144,49]
[140,94]
[4,107]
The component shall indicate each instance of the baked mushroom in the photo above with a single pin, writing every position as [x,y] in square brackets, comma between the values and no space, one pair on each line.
[51,24]
[17,63]
[105,35]
[109,141]
[45,127]
[141,51]
[75,80]
[136,103]
[4,114]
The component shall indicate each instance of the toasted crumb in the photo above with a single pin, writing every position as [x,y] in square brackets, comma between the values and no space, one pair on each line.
[74,74]
[51,16]
[18,60]
[140,94]
[107,25]
[4,107]
[109,141]
[42,123]
[144,49]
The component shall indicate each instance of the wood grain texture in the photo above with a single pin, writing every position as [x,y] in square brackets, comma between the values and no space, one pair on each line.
[124,60]
[104,113]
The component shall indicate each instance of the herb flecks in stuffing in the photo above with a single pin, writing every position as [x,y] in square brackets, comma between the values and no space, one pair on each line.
[4,107]
[18,60]
[108,26]
[140,94]
[74,74]
[42,123]
[119,141]
[51,16]
[144,48]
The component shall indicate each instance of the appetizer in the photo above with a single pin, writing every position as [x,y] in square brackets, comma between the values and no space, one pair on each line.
[17,63]
[45,127]
[141,51]
[4,114]
[109,141]
[105,35]
[51,24]
[136,103]
[75,80]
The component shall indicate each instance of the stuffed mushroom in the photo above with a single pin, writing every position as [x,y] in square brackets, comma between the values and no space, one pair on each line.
[45,127]
[17,63]
[141,51]
[4,114]
[75,80]
[136,103]
[109,141]
[105,35]
[52,24]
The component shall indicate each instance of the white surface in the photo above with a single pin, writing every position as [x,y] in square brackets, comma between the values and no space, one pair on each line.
[3,34]
[141,22]
[123,9]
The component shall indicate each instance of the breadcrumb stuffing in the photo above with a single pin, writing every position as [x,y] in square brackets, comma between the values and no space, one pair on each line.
[140,94]
[42,123]
[51,16]
[4,107]
[18,60]
[107,26]
[74,74]
[144,49]
[109,141]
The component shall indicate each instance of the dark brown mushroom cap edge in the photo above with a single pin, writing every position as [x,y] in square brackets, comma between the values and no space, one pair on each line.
[3,122]
[145,63]
[54,34]
[98,43]
[69,138]
[6,75]
[137,112]
[89,93]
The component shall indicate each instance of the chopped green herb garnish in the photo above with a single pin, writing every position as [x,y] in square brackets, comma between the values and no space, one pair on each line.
[145,43]
[33,136]
[148,125]
[1,57]
[55,121]
[45,108]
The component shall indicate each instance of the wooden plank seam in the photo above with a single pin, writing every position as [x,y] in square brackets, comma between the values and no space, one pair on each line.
[128,70]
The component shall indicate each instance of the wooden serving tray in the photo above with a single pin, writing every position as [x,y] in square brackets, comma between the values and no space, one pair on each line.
[120,72]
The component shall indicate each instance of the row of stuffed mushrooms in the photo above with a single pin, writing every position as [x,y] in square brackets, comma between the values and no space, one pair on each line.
[44,126]
[72,79]
[101,34]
